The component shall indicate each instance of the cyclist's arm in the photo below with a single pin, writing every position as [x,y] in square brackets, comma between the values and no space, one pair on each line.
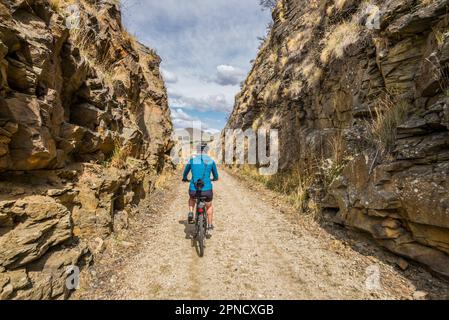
[215,171]
[186,171]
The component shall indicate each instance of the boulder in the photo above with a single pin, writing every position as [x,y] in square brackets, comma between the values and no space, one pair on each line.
[44,224]
[32,147]
[21,77]
[12,281]
[86,115]
[71,137]
[49,275]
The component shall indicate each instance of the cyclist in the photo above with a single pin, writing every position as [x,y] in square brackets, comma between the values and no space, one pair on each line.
[202,166]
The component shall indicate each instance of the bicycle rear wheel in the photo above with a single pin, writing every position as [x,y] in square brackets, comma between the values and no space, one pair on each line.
[201,235]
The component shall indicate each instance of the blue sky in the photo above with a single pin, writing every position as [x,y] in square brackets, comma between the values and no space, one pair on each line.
[206,47]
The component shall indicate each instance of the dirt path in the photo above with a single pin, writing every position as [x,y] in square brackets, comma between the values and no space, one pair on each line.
[258,251]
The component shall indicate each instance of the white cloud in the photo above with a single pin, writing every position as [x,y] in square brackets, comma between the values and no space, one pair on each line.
[169,77]
[216,102]
[213,131]
[229,75]
[199,34]
[182,120]
[181,115]
[194,37]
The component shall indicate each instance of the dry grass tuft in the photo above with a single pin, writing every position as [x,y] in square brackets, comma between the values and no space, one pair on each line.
[440,73]
[337,40]
[130,38]
[387,115]
[295,183]
[311,73]
[340,4]
[300,182]
[59,5]
[119,155]
[332,166]
[426,2]
[440,31]
[439,36]
[55,5]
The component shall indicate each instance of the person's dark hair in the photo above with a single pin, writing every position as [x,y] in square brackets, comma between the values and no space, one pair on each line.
[203,147]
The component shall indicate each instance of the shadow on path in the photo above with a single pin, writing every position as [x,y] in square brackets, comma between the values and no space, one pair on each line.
[189,230]
[420,276]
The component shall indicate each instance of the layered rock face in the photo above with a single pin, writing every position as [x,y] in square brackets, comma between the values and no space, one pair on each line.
[375,74]
[84,131]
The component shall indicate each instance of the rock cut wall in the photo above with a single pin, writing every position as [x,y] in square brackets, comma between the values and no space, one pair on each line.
[84,131]
[333,69]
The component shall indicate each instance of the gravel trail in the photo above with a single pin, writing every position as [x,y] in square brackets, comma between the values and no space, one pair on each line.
[259,250]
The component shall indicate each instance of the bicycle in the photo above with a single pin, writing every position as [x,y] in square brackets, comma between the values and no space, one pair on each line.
[201,223]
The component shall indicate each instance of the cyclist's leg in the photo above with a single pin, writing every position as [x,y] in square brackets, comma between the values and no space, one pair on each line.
[210,213]
[192,203]
[209,206]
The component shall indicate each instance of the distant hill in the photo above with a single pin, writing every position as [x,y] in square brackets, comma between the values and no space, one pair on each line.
[188,132]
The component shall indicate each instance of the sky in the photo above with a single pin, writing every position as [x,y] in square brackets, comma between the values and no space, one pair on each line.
[206,47]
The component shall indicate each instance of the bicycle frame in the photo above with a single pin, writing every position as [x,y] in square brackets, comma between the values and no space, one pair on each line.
[201,228]
[201,209]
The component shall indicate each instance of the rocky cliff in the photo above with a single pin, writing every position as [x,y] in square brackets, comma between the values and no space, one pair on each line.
[361,87]
[84,132]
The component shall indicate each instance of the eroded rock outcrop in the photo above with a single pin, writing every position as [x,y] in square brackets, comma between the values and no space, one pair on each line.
[349,69]
[84,132]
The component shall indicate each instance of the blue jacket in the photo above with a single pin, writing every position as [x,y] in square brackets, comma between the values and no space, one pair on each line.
[202,166]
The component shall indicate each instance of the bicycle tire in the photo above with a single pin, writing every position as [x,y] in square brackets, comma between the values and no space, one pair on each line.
[201,235]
